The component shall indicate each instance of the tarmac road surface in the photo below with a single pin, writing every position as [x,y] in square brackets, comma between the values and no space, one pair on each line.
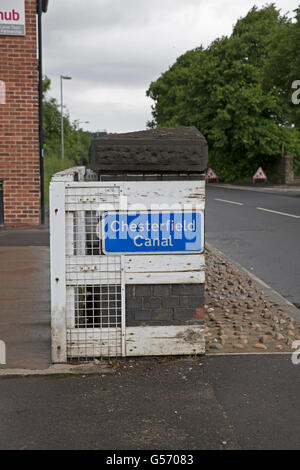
[218,402]
[261,232]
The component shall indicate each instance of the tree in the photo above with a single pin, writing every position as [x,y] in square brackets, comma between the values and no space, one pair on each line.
[77,142]
[282,73]
[283,66]
[223,91]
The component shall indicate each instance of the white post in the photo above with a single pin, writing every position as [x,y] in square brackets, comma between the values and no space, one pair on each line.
[123,300]
[2,353]
[58,276]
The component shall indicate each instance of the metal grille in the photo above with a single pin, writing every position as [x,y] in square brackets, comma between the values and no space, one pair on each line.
[95,284]
[98,306]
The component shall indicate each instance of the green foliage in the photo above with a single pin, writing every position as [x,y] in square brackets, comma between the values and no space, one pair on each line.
[76,141]
[283,66]
[227,92]
[54,165]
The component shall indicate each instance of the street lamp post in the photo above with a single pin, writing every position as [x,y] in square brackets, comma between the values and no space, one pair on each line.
[62,77]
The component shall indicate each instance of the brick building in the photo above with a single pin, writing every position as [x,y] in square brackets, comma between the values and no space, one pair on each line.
[19,111]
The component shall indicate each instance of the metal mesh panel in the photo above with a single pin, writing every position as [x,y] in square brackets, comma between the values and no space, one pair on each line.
[98,306]
[83,233]
[95,298]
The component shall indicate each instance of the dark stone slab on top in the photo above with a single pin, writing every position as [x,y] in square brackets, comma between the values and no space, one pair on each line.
[177,149]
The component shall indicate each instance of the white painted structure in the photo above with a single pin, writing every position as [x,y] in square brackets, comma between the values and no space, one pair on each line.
[2,353]
[88,287]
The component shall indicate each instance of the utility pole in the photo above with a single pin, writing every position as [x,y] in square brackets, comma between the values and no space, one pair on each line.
[62,77]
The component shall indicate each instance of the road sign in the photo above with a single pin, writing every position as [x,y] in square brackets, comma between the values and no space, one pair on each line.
[153,232]
[211,175]
[260,175]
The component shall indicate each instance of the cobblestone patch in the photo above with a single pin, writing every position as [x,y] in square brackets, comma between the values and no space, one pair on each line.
[239,317]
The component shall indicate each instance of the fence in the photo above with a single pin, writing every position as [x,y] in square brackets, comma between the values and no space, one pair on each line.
[90,291]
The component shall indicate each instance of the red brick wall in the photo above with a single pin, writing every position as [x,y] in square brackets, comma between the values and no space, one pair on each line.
[19,124]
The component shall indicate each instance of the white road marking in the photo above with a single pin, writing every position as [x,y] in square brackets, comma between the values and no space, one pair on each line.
[280,213]
[230,202]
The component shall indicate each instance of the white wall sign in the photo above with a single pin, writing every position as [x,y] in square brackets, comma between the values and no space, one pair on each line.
[12,17]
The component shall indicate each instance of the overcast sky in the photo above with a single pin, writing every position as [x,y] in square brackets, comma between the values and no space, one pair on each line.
[113,49]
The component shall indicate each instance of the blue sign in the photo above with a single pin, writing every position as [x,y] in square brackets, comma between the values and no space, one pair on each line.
[153,232]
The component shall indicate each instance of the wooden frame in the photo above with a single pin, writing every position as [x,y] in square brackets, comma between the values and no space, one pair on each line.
[69,270]
[58,270]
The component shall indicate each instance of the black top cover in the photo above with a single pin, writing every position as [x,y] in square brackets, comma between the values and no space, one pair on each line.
[171,150]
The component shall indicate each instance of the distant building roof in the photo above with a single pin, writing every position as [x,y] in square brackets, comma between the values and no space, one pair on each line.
[174,149]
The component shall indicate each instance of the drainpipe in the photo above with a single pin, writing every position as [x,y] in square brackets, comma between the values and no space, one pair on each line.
[42,182]
[1,205]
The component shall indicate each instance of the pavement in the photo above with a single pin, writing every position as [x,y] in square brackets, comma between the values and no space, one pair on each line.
[25,297]
[211,403]
[24,237]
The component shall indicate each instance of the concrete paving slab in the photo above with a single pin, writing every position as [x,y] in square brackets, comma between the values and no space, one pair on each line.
[61,369]
[25,306]
[25,237]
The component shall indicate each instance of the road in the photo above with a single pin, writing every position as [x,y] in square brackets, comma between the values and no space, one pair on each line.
[261,232]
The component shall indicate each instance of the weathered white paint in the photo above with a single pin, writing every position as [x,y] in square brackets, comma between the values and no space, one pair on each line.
[164,340]
[2,353]
[138,269]
[146,195]
[140,341]
[137,263]
[92,279]
[164,263]
[70,175]
[176,193]
[58,281]
[80,234]
[70,269]
[103,263]
[94,342]
[95,197]
[70,312]
[70,239]
[89,278]
[166,278]
[123,306]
